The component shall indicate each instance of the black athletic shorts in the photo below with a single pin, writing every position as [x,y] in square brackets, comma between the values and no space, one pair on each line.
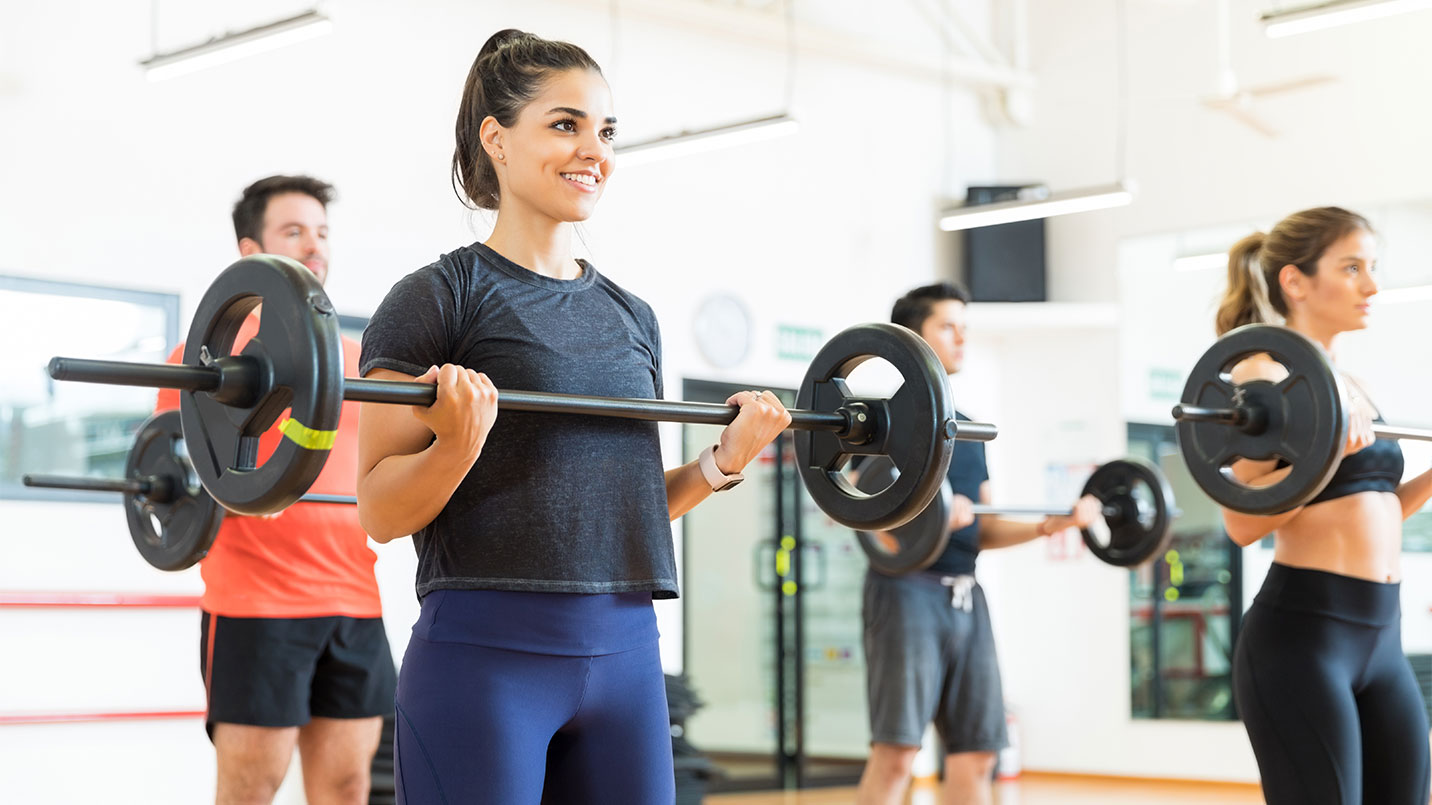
[929,656]
[281,672]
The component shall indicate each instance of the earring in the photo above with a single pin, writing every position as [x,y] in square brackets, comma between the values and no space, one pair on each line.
[499,157]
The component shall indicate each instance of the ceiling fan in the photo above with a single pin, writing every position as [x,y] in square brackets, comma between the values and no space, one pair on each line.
[1238,101]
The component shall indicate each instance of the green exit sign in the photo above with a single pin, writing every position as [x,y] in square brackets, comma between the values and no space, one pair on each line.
[1165,384]
[797,343]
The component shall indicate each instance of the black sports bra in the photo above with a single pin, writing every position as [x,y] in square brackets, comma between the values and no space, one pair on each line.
[1375,468]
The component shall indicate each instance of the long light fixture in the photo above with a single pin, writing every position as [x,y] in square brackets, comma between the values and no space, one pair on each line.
[1200,262]
[237,45]
[1334,13]
[694,142]
[1065,203]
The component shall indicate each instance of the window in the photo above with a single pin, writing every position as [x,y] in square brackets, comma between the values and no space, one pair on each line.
[48,426]
[1184,606]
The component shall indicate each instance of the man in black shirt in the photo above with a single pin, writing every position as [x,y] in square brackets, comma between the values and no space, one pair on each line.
[929,648]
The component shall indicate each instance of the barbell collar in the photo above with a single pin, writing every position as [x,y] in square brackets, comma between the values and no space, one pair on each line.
[972,431]
[243,380]
[1197,413]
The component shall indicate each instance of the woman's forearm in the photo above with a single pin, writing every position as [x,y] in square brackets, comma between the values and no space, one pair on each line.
[1414,494]
[685,487]
[405,492]
[1246,529]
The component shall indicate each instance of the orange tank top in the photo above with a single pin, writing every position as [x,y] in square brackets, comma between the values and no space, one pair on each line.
[311,560]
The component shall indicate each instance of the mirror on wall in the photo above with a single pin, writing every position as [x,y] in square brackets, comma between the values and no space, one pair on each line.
[73,428]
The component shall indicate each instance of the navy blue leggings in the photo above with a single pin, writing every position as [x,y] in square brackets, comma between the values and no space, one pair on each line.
[583,720]
[1331,705]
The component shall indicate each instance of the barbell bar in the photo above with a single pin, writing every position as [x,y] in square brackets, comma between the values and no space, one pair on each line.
[172,520]
[1301,419]
[1241,416]
[1137,506]
[1034,510]
[294,363]
[852,422]
[143,486]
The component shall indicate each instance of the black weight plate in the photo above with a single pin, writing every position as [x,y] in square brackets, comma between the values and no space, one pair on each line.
[917,543]
[912,427]
[1304,420]
[174,524]
[1139,529]
[300,367]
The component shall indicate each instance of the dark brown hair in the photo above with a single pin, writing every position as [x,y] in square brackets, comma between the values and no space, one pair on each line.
[507,74]
[1254,295]
[253,203]
[913,308]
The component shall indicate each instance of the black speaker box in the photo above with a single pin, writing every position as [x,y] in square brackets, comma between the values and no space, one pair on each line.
[1004,263]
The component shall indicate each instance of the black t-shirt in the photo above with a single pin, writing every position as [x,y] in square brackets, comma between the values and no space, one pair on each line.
[556,502]
[967,471]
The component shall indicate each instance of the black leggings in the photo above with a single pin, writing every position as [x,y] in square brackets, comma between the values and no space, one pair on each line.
[1330,703]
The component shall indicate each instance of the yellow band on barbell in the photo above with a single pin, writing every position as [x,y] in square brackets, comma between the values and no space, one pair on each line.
[307,437]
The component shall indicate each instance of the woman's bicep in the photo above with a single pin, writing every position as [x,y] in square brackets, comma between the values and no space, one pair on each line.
[388,430]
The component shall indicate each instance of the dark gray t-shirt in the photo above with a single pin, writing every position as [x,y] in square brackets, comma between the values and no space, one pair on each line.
[556,502]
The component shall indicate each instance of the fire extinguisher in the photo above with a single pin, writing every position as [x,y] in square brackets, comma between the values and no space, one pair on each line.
[1007,765]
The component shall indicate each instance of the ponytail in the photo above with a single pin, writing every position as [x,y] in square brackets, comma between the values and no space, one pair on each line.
[1247,299]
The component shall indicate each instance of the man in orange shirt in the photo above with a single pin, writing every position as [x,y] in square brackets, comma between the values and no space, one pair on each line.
[293,650]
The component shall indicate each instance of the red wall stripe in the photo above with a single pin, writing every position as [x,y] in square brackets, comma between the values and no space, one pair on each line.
[32,600]
[11,719]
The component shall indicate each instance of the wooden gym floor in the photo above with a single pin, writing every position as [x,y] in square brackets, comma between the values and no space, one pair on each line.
[1035,789]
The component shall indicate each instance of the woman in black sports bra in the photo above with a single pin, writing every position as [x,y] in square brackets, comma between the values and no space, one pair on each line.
[1329,700]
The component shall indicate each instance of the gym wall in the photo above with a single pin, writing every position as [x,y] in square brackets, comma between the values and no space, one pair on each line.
[111,180]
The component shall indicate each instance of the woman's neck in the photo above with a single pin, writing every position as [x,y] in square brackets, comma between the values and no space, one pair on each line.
[1318,333]
[539,244]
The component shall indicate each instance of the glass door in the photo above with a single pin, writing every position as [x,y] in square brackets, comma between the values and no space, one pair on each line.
[772,625]
[732,623]
[828,663]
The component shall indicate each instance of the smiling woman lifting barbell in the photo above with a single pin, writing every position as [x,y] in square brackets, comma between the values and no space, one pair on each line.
[1332,708]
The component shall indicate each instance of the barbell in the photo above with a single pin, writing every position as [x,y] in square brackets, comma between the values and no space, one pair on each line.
[172,519]
[1137,506]
[1301,419]
[294,363]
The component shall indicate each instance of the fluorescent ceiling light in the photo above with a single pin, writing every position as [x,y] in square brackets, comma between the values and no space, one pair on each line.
[1200,262]
[237,45]
[1336,12]
[1007,212]
[1397,296]
[693,142]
